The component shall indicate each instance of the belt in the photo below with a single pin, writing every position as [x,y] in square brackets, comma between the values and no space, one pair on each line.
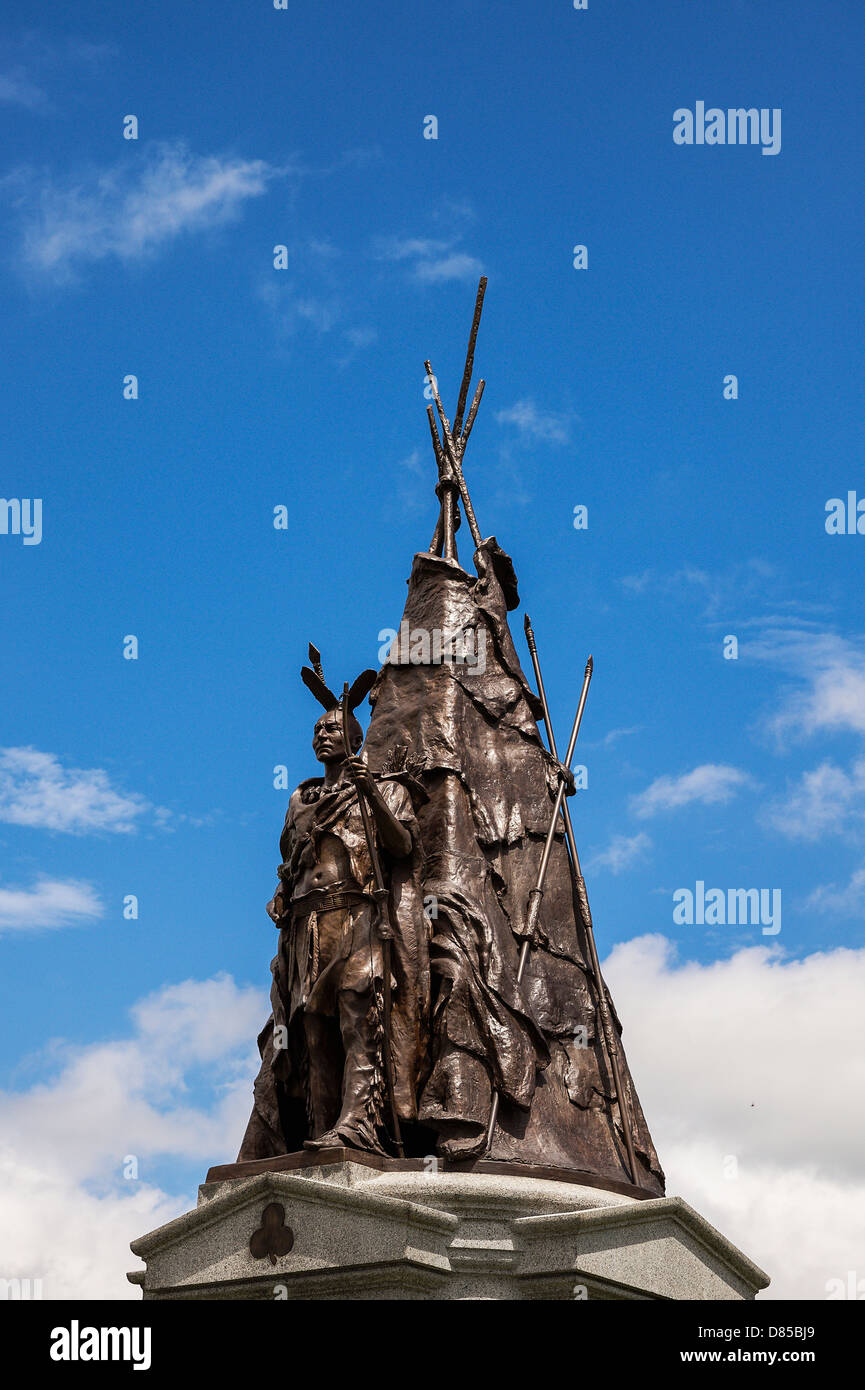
[320,900]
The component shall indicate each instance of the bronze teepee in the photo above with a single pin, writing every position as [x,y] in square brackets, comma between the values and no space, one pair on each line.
[481,1056]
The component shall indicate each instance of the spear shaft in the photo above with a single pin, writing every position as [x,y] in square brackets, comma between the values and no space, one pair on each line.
[537,893]
[608,1027]
[385,929]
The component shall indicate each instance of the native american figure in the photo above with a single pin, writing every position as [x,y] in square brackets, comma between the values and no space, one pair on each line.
[502,1042]
[323,1079]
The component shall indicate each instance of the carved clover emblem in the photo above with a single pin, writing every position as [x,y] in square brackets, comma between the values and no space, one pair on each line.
[273,1237]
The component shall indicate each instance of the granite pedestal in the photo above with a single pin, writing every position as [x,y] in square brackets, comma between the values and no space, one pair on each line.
[345,1225]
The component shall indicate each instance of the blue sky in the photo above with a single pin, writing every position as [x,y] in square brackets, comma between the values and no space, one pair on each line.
[304,387]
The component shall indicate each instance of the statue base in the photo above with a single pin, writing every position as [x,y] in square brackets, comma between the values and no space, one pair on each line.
[341,1224]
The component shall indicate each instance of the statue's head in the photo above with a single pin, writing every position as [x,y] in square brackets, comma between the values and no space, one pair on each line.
[327,741]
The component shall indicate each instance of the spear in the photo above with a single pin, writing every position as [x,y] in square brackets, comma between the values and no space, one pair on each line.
[537,893]
[609,1029]
[385,929]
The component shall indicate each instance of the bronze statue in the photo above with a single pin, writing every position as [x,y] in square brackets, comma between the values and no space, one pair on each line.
[437,986]
[324,1064]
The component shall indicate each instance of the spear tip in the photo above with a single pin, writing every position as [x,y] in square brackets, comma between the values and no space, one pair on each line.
[590,666]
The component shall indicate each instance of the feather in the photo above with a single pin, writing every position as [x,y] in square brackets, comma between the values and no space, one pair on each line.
[315,661]
[361,687]
[313,681]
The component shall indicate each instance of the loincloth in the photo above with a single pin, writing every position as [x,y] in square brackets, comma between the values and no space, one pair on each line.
[327,947]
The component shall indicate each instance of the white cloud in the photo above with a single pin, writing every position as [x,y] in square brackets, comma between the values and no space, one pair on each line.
[36,790]
[536,424]
[411,248]
[17,89]
[90,1255]
[414,480]
[848,901]
[829,671]
[615,734]
[293,310]
[825,801]
[803,1227]
[136,208]
[621,853]
[710,784]
[432,260]
[66,1212]
[455,265]
[361,337]
[743,583]
[638,583]
[413,463]
[755,1058]
[320,314]
[49,903]
[732,1059]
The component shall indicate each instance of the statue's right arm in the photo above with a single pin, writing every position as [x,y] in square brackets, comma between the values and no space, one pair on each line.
[276,907]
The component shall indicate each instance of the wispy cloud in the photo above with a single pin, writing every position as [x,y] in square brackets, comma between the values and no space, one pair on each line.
[827,671]
[825,801]
[612,737]
[30,64]
[317,293]
[360,337]
[293,310]
[710,784]
[536,424]
[132,211]
[455,265]
[36,790]
[621,853]
[615,734]
[847,901]
[415,478]
[17,89]
[413,463]
[49,903]
[722,592]
[430,260]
